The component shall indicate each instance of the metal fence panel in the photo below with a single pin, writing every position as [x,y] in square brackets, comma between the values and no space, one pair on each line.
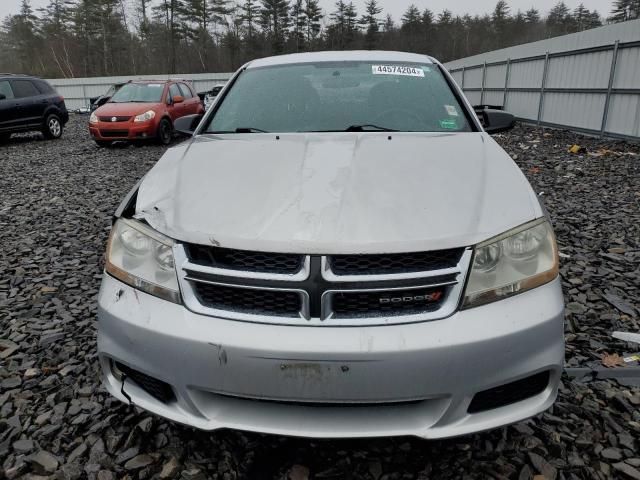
[496,75]
[625,115]
[473,78]
[581,110]
[580,71]
[523,104]
[628,68]
[526,74]
[587,82]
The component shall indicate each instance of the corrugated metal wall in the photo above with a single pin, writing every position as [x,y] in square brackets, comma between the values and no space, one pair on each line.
[588,81]
[77,91]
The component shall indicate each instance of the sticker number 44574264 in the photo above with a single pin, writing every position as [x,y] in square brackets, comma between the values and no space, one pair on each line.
[397,70]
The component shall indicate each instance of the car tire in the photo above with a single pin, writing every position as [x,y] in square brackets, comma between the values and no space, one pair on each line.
[103,143]
[52,127]
[165,132]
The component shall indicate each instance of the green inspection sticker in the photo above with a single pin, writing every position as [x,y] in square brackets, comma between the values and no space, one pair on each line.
[449,124]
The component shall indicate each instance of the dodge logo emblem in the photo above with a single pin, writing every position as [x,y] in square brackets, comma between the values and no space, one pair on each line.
[114,119]
[427,298]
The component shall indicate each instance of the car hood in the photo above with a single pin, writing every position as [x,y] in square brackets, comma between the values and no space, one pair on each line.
[337,193]
[125,109]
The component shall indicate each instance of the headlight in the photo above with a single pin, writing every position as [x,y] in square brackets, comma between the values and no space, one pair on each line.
[143,258]
[93,118]
[512,263]
[145,117]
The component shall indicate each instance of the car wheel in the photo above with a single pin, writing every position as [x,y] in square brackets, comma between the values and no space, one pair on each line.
[103,143]
[52,127]
[165,132]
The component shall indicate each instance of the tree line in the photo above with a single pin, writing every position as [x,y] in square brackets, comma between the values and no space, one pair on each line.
[83,38]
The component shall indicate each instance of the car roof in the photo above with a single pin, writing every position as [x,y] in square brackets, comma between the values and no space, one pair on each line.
[342,56]
[17,75]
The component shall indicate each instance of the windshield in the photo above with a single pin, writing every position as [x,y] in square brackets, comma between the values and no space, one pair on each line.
[340,96]
[139,92]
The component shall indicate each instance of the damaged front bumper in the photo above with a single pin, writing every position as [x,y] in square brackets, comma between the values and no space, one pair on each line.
[425,379]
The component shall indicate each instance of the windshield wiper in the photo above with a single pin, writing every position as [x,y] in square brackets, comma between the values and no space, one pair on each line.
[368,127]
[249,130]
[357,128]
[238,130]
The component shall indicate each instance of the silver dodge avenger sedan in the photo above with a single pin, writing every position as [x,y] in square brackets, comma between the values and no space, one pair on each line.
[339,250]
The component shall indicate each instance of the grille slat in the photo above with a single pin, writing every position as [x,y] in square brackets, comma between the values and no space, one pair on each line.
[394,302]
[281,303]
[395,263]
[244,260]
[110,119]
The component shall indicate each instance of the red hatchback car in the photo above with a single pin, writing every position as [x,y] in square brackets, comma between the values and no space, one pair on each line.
[143,110]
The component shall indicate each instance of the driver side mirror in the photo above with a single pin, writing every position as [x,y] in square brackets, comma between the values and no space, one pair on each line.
[187,125]
[494,120]
[3,96]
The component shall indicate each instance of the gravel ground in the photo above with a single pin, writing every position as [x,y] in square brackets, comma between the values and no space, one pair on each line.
[56,421]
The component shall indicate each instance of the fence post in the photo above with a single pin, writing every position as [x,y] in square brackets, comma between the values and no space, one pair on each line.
[484,78]
[612,74]
[542,87]
[84,95]
[507,75]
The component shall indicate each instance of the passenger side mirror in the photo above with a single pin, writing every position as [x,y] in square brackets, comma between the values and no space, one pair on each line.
[178,99]
[3,96]
[494,120]
[187,125]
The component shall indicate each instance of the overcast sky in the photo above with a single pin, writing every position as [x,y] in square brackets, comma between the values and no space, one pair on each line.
[397,7]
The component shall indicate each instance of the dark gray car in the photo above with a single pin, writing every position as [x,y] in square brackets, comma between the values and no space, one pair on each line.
[30,104]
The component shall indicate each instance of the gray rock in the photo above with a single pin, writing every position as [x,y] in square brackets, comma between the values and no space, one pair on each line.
[138,462]
[627,469]
[542,466]
[106,475]
[611,454]
[43,462]
[23,446]
[128,454]
[170,469]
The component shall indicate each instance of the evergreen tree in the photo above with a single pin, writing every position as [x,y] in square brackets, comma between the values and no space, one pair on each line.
[313,14]
[371,23]
[299,24]
[624,10]
[274,18]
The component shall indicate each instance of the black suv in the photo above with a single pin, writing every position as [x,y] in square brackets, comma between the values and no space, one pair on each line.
[30,104]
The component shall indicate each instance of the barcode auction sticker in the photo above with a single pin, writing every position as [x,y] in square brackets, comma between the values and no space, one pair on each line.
[397,70]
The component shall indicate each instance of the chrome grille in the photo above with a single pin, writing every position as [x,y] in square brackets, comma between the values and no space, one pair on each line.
[309,290]
[414,300]
[279,263]
[281,303]
[395,262]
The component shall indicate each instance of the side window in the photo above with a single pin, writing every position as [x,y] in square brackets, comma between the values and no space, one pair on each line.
[24,88]
[186,91]
[43,87]
[5,89]
[174,91]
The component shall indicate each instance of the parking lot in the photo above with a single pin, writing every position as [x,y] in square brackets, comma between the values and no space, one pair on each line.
[56,202]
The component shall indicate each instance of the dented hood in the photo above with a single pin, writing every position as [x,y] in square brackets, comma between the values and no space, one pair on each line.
[336,193]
